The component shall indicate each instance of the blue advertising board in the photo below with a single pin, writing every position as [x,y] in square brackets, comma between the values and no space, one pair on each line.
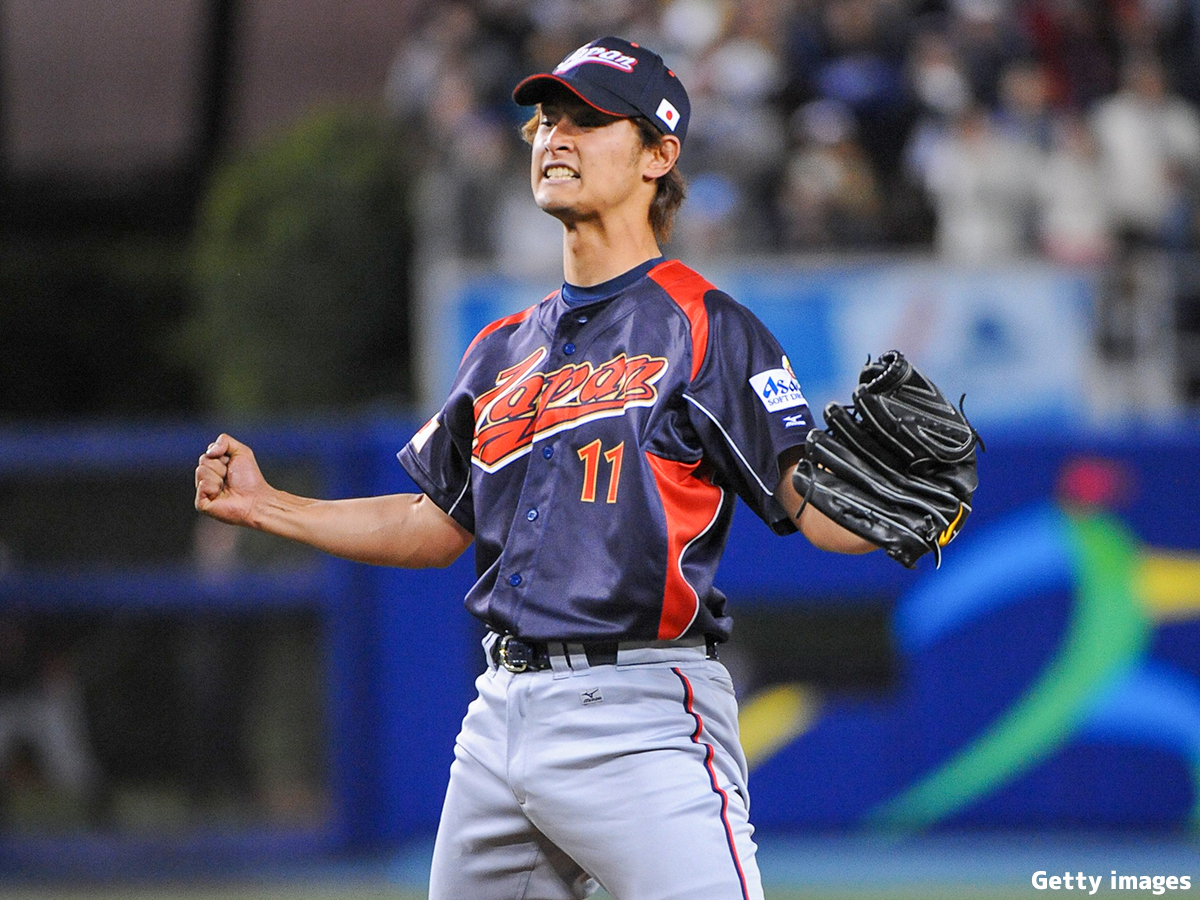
[1017,339]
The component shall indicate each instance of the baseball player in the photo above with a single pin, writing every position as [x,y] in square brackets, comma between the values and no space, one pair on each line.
[592,447]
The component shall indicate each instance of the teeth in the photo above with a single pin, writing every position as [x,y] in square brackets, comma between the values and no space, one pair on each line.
[560,172]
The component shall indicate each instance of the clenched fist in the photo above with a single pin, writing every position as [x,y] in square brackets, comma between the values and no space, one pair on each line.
[229,482]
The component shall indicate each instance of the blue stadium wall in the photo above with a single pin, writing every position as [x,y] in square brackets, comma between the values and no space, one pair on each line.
[1047,675]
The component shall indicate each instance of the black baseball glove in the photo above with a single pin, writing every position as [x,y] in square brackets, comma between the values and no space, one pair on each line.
[897,466]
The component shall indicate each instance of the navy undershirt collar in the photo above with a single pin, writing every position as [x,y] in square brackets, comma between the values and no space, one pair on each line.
[575,295]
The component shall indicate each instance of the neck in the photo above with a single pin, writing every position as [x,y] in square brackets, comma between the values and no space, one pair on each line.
[593,254]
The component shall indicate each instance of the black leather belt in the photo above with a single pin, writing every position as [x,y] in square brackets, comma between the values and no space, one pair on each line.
[517,655]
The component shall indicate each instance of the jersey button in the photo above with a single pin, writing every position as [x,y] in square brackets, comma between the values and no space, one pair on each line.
[514,579]
[581,319]
[547,452]
[568,349]
[531,515]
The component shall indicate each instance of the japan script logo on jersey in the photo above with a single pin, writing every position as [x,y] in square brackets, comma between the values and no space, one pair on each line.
[526,404]
[778,389]
[596,54]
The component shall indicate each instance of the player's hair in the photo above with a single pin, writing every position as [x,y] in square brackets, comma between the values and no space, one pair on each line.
[671,189]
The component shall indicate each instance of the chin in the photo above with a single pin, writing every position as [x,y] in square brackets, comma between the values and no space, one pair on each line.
[554,207]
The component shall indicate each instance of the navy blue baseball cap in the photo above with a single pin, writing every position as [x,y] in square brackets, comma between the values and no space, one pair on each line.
[619,78]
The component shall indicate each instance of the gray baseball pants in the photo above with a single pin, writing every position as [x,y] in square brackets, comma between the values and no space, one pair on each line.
[628,776]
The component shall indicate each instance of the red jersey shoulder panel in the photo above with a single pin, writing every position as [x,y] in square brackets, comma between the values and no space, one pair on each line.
[513,319]
[687,288]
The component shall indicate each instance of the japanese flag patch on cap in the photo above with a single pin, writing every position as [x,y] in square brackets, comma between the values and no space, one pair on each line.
[668,113]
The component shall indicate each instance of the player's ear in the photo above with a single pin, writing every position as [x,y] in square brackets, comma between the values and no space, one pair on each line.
[661,157]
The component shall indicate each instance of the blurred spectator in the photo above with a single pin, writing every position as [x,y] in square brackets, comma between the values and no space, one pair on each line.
[830,196]
[467,165]
[437,44]
[988,42]
[980,181]
[43,724]
[1179,46]
[940,92]
[1022,111]
[1150,143]
[1074,208]
[691,27]
[738,139]
[451,80]
[863,52]
[936,75]
[1076,44]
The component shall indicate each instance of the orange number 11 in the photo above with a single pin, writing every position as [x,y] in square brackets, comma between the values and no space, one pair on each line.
[591,469]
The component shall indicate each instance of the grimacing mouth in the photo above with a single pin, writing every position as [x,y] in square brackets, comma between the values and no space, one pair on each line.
[559,170]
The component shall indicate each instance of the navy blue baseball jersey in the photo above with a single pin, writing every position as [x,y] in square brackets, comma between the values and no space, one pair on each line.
[596,450]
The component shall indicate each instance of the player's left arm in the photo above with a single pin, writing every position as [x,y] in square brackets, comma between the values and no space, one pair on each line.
[820,530]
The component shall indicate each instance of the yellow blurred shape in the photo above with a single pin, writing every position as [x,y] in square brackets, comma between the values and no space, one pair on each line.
[773,718]
[1168,584]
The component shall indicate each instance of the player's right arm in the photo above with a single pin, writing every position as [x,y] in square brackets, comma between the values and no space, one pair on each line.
[404,530]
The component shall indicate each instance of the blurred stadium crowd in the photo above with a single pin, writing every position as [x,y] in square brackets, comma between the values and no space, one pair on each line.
[989,129]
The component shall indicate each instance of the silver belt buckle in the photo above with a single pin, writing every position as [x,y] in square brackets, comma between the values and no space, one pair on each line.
[517,666]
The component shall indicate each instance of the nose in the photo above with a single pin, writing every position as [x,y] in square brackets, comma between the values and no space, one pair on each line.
[557,136]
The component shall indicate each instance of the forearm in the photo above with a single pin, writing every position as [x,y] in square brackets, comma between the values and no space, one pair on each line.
[825,534]
[821,531]
[402,530]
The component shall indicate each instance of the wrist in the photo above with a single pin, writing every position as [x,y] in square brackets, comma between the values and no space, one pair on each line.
[264,512]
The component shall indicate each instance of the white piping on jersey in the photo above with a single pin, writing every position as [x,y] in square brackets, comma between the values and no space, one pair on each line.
[766,490]
[683,553]
[461,494]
